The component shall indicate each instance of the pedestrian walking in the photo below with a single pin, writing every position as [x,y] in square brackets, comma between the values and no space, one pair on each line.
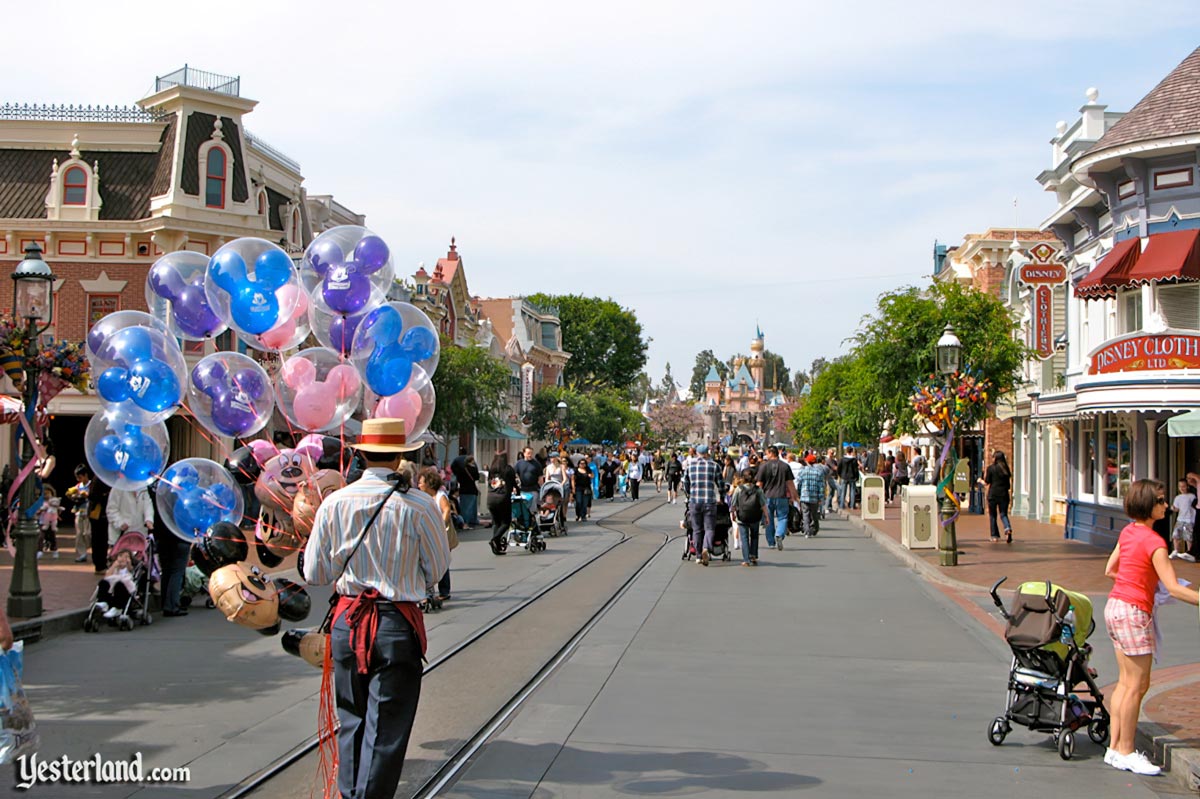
[502,482]
[430,481]
[583,488]
[704,488]
[531,471]
[811,488]
[916,469]
[1181,535]
[633,473]
[466,474]
[998,481]
[674,471]
[899,475]
[659,464]
[747,507]
[78,496]
[847,481]
[775,478]
[1137,565]
[384,547]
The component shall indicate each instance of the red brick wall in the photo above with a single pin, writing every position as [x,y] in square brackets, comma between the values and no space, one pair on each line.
[998,435]
[71,308]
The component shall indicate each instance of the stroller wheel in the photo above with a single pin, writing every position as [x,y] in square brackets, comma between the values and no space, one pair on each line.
[89,624]
[1098,730]
[1066,744]
[125,623]
[146,619]
[208,603]
[998,731]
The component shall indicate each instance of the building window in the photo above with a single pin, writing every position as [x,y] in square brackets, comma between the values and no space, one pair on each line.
[75,186]
[1180,306]
[1087,469]
[262,203]
[1131,311]
[1117,465]
[214,180]
[101,305]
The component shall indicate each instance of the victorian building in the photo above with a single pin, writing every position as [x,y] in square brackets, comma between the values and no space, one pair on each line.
[740,408]
[1128,218]
[106,191]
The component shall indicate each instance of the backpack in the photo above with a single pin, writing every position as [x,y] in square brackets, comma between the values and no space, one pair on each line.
[749,505]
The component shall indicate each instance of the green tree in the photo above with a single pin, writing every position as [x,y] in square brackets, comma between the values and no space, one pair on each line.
[668,383]
[843,403]
[704,361]
[471,388]
[605,340]
[897,345]
[775,371]
[597,416]
[642,389]
[799,381]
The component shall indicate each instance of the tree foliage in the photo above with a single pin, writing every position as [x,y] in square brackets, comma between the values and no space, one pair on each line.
[471,387]
[605,341]
[897,345]
[598,416]
[776,375]
[843,402]
[704,361]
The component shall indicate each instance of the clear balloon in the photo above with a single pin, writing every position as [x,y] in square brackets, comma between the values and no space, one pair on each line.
[291,332]
[343,266]
[196,494]
[146,374]
[123,455]
[415,404]
[110,324]
[317,390]
[175,295]
[389,342]
[335,330]
[231,394]
[243,284]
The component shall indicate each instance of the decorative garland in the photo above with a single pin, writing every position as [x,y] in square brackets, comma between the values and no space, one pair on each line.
[960,399]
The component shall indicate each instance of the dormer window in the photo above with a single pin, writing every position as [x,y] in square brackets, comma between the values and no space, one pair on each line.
[262,203]
[75,186]
[214,178]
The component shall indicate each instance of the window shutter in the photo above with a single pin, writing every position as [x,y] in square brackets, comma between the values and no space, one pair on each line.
[1180,306]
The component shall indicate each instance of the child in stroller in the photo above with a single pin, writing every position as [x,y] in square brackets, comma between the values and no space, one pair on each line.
[720,533]
[122,596]
[524,531]
[552,509]
[1046,669]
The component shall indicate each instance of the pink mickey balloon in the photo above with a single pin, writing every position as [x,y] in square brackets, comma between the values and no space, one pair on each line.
[404,405]
[316,391]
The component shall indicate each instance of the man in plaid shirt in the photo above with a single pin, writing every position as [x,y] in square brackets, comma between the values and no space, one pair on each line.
[811,484]
[704,488]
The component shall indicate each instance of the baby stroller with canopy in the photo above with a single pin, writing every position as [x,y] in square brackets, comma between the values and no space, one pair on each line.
[552,509]
[122,597]
[525,532]
[720,533]
[1045,671]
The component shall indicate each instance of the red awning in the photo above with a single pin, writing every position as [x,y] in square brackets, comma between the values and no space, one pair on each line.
[1168,258]
[1111,272]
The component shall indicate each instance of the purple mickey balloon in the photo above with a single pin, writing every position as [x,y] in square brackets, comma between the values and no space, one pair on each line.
[341,332]
[371,254]
[238,398]
[323,254]
[189,305]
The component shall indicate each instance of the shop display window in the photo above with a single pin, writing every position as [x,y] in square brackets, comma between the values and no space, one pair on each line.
[1087,470]
[1117,466]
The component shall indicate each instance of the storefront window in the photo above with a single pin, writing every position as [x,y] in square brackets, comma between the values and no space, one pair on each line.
[1117,466]
[1087,467]
[1131,316]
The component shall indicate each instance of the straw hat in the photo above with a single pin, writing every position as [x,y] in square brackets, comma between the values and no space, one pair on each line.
[385,435]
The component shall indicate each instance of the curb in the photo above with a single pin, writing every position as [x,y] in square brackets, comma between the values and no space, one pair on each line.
[1181,762]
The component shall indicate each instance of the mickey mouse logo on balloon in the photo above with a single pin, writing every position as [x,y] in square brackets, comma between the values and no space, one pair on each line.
[144,378]
[344,282]
[251,300]
[387,346]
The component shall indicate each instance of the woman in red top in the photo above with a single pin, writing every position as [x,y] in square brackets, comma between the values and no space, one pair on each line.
[1136,565]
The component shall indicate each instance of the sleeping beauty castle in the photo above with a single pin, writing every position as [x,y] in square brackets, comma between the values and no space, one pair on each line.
[741,409]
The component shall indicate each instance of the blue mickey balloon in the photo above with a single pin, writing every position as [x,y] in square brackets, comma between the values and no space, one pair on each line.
[132,454]
[143,381]
[195,495]
[394,350]
[253,305]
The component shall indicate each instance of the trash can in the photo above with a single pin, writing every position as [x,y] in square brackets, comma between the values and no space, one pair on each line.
[919,517]
[872,498]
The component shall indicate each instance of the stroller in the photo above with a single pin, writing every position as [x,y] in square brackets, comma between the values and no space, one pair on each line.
[1044,672]
[143,570]
[552,510]
[720,534]
[525,531]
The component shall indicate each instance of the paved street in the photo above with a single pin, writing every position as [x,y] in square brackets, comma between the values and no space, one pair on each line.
[831,669]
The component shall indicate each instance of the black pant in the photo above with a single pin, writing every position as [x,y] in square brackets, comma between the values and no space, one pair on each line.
[998,506]
[376,709]
[581,504]
[100,542]
[500,509]
[444,584]
[633,488]
[114,596]
[173,557]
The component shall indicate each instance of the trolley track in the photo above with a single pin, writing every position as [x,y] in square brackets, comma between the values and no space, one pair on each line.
[469,689]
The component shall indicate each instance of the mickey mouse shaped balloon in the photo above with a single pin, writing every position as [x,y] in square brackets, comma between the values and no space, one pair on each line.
[231,394]
[291,330]
[244,281]
[342,266]
[144,382]
[123,455]
[175,295]
[194,495]
[317,391]
[390,341]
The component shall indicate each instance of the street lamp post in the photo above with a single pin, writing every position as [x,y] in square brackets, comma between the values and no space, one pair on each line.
[33,293]
[949,361]
[560,411]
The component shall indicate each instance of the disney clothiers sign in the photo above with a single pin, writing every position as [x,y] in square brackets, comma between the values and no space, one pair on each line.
[1141,352]
[1042,274]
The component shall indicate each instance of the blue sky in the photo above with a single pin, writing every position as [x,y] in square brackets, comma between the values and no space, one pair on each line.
[706,165]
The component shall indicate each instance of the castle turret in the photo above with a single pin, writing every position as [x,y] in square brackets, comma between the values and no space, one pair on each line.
[756,362]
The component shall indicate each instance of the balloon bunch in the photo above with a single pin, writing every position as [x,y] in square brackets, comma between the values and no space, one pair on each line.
[960,399]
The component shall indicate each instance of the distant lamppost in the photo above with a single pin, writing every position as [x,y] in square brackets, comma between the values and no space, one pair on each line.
[33,295]
[949,362]
[560,410]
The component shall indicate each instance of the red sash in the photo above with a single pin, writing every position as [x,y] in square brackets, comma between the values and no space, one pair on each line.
[362,616]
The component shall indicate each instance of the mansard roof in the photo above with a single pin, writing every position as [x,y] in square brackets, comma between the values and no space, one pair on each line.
[125,182]
[1172,108]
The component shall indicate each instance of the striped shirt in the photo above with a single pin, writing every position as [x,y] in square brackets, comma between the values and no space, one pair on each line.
[702,481]
[812,484]
[403,555]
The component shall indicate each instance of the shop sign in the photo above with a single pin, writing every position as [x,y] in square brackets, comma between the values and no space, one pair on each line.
[1142,353]
[1042,274]
[527,371]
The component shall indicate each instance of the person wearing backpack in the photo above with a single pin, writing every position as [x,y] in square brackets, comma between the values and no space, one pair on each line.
[747,509]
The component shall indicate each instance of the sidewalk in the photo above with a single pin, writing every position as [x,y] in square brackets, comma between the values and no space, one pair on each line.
[1170,722]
